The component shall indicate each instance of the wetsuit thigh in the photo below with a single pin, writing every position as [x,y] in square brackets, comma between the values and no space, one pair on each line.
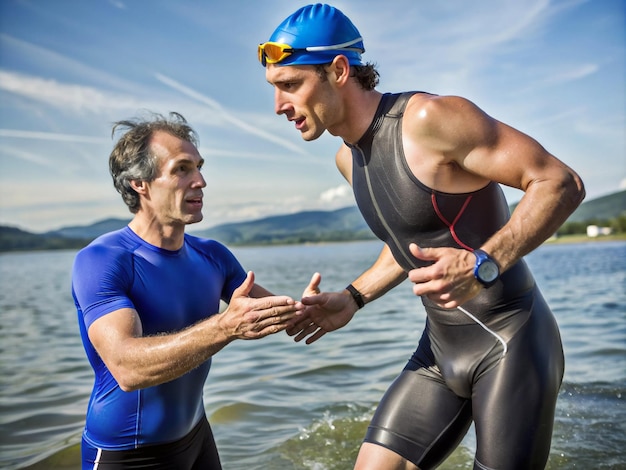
[419,418]
[514,403]
[196,451]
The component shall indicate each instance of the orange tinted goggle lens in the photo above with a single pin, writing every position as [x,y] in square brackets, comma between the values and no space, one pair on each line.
[273,52]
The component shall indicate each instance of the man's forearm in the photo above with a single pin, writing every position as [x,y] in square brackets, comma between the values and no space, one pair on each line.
[152,360]
[380,278]
[539,214]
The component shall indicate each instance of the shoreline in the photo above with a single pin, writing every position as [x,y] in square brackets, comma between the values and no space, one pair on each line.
[582,238]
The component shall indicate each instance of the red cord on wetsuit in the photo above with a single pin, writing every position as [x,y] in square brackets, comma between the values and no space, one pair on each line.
[433,198]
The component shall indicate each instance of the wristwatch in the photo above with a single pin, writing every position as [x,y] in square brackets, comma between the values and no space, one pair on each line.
[486,270]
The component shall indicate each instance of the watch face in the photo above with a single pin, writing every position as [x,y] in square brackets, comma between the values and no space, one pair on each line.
[488,271]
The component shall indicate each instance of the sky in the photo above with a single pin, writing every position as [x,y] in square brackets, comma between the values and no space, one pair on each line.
[554,69]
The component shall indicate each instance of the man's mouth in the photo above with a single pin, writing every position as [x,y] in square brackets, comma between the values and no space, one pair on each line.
[299,123]
[195,201]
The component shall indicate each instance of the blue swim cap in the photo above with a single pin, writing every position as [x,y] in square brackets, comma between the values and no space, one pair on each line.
[324,30]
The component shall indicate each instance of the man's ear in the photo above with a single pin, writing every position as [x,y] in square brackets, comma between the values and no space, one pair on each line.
[339,70]
[139,186]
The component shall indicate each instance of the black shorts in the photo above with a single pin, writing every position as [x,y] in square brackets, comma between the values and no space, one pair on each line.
[195,451]
[461,373]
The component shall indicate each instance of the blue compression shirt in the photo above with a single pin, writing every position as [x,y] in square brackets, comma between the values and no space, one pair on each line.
[170,290]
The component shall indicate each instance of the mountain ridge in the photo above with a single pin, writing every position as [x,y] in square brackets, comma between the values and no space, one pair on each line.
[343,224]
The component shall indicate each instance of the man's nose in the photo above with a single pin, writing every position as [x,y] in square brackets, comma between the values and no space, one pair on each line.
[280,104]
[200,181]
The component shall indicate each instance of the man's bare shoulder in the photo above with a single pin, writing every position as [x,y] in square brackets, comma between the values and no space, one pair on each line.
[451,119]
[426,107]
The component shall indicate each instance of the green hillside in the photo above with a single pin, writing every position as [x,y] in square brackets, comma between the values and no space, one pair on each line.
[314,226]
[14,239]
[601,209]
[90,231]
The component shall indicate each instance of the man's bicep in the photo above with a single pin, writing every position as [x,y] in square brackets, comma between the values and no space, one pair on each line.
[512,158]
[109,332]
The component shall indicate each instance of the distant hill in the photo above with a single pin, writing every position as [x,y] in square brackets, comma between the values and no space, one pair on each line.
[303,227]
[89,231]
[14,239]
[601,209]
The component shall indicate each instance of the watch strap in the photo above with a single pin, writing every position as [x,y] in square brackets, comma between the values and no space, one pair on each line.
[356,295]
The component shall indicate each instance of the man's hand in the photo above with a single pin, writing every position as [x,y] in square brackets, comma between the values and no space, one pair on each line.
[323,312]
[449,281]
[252,318]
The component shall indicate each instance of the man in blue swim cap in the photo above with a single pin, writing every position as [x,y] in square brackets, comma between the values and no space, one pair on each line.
[426,173]
[314,36]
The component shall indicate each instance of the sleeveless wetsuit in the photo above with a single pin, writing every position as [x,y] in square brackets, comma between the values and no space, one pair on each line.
[170,290]
[499,361]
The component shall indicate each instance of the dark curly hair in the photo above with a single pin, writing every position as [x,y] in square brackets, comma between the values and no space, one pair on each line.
[366,75]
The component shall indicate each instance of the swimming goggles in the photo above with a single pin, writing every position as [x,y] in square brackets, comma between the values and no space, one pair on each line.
[275,52]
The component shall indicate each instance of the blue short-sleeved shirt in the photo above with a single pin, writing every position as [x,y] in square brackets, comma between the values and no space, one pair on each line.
[170,290]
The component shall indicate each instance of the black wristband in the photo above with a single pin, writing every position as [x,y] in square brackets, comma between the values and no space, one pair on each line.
[356,295]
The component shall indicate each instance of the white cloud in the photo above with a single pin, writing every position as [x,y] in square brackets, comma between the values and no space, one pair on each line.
[340,194]
[70,97]
[17,134]
[118,4]
[558,74]
[26,156]
[573,73]
[59,64]
[17,194]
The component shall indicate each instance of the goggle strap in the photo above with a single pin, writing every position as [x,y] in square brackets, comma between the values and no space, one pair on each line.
[336,46]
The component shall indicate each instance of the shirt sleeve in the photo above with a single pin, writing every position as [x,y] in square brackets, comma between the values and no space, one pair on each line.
[101,279]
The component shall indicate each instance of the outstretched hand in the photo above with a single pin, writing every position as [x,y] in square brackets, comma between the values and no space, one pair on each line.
[254,318]
[323,312]
[449,281]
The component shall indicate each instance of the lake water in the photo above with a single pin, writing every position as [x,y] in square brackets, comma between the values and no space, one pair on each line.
[276,404]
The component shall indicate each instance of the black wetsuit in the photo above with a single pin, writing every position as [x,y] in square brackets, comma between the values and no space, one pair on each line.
[498,360]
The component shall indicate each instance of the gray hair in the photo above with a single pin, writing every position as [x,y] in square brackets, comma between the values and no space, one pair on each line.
[132,159]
